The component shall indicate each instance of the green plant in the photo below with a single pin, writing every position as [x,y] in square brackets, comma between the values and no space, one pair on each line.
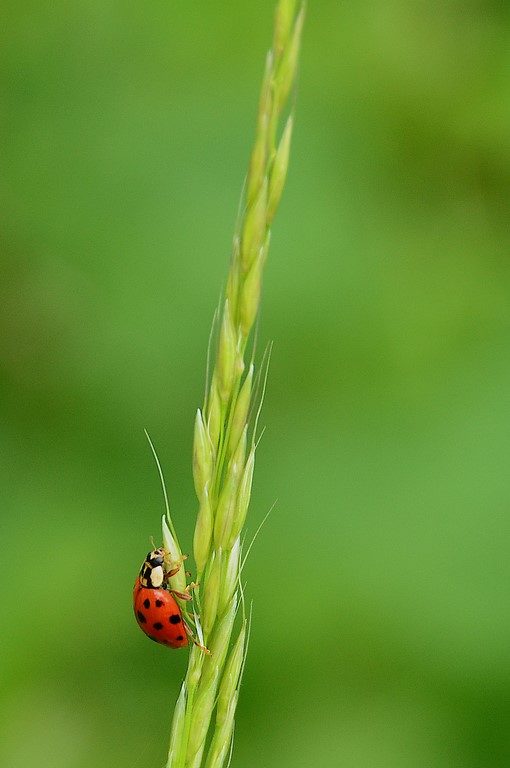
[225,436]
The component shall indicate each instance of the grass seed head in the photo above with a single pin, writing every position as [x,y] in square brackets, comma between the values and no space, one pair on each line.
[223,476]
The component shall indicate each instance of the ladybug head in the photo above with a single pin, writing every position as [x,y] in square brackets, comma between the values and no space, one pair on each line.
[156,557]
[152,571]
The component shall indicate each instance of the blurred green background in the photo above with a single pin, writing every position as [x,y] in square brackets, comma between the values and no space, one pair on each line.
[380,582]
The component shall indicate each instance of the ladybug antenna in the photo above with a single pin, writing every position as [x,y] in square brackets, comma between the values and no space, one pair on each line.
[151,539]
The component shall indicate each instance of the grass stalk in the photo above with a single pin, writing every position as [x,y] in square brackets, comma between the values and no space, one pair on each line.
[225,438]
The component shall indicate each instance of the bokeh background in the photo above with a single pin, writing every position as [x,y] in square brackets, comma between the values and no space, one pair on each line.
[380,582]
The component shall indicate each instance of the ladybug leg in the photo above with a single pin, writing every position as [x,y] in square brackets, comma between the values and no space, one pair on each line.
[173,571]
[195,641]
[169,574]
[181,595]
[184,595]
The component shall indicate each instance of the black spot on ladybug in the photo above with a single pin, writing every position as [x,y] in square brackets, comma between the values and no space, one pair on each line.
[159,603]
[158,625]
[147,603]
[179,638]
[141,617]
[174,619]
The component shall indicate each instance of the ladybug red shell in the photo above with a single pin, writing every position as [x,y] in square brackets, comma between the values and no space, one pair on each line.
[156,610]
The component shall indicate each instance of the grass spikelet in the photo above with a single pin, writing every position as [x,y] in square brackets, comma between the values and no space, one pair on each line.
[279,173]
[230,575]
[242,407]
[223,629]
[203,532]
[225,434]
[203,706]
[214,414]
[202,456]
[226,361]
[211,592]
[254,229]
[231,674]
[243,500]
[177,726]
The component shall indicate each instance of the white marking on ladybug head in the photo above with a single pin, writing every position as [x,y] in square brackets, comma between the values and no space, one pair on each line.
[156,576]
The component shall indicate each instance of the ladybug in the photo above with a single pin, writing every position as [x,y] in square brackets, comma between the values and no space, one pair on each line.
[156,610]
